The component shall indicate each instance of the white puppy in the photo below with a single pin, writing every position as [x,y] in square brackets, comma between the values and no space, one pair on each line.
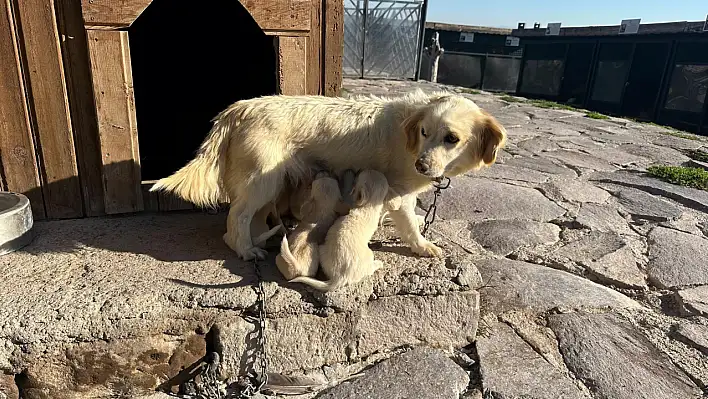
[258,146]
[345,257]
[298,254]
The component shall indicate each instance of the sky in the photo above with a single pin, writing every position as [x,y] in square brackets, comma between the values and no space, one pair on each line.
[507,13]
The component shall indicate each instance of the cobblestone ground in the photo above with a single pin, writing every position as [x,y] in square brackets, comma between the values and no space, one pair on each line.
[568,273]
[595,275]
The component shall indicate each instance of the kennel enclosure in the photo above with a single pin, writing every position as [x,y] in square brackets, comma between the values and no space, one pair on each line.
[99,97]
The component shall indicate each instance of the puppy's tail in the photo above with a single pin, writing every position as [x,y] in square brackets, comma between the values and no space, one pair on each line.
[265,236]
[199,182]
[314,283]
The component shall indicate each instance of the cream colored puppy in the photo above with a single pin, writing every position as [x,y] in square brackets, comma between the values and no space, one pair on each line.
[345,257]
[298,253]
[257,146]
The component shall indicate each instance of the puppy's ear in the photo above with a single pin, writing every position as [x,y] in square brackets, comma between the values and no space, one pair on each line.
[492,138]
[411,128]
[307,209]
[360,195]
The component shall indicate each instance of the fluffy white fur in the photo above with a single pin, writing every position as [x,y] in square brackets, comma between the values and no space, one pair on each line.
[299,255]
[345,257]
[259,147]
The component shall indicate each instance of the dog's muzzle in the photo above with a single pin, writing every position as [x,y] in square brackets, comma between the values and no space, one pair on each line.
[424,169]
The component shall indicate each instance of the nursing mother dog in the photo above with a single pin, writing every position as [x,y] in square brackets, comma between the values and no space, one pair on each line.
[258,149]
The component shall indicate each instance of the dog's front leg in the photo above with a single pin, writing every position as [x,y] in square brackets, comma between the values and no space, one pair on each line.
[408,227]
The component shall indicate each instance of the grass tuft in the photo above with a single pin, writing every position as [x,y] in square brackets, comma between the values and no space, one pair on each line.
[697,155]
[680,134]
[596,115]
[469,91]
[681,175]
[512,99]
[552,105]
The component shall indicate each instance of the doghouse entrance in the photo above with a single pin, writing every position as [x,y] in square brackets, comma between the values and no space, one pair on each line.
[190,60]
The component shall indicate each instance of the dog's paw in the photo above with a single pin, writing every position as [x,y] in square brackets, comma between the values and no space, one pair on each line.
[420,219]
[427,248]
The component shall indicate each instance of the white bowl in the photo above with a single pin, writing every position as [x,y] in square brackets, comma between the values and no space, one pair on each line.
[15,222]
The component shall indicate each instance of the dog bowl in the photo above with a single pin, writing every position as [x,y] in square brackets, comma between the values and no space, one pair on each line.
[15,222]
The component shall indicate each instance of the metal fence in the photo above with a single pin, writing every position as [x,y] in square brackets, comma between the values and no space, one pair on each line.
[477,71]
[381,38]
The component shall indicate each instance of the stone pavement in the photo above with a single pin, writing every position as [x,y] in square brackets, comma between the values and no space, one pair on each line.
[568,273]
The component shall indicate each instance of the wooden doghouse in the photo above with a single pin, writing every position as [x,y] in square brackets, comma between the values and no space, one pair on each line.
[99,97]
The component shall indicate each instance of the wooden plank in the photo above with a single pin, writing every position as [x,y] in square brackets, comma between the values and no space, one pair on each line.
[314,50]
[280,14]
[150,199]
[115,13]
[83,115]
[333,22]
[17,156]
[286,33]
[292,65]
[48,99]
[168,202]
[117,129]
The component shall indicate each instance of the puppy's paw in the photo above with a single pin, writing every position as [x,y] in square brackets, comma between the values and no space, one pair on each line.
[386,220]
[253,253]
[427,248]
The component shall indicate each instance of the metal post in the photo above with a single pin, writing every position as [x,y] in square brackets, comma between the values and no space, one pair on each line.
[665,82]
[435,51]
[421,39]
[363,36]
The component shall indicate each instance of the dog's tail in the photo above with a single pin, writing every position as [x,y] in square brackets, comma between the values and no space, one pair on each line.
[314,283]
[199,182]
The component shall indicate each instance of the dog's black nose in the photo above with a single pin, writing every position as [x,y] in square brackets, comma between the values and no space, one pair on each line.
[421,167]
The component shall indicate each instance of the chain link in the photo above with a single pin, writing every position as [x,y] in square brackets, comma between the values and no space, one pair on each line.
[258,378]
[443,184]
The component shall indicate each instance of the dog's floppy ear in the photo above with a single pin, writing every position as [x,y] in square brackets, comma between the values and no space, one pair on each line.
[492,138]
[411,128]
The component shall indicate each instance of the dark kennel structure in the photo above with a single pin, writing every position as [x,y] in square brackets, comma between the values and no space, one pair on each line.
[659,74]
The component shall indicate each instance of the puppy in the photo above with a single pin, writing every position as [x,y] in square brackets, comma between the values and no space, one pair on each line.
[345,256]
[257,146]
[299,256]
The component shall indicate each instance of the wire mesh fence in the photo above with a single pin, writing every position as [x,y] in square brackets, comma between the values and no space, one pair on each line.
[381,38]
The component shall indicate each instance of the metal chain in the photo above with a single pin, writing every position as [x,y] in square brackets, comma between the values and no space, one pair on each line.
[432,209]
[258,378]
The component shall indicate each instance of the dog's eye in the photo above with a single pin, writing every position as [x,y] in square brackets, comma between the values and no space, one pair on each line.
[422,132]
[451,138]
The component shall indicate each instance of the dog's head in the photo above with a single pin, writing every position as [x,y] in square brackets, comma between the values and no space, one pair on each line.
[451,135]
[370,187]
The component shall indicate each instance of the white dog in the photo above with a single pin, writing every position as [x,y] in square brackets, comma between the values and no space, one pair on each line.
[299,256]
[345,257]
[257,146]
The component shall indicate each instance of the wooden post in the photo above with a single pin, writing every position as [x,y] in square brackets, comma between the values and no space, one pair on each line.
[18,161]
[291,65]
[117,127]
[48,99]
[435,52]
[333,26]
